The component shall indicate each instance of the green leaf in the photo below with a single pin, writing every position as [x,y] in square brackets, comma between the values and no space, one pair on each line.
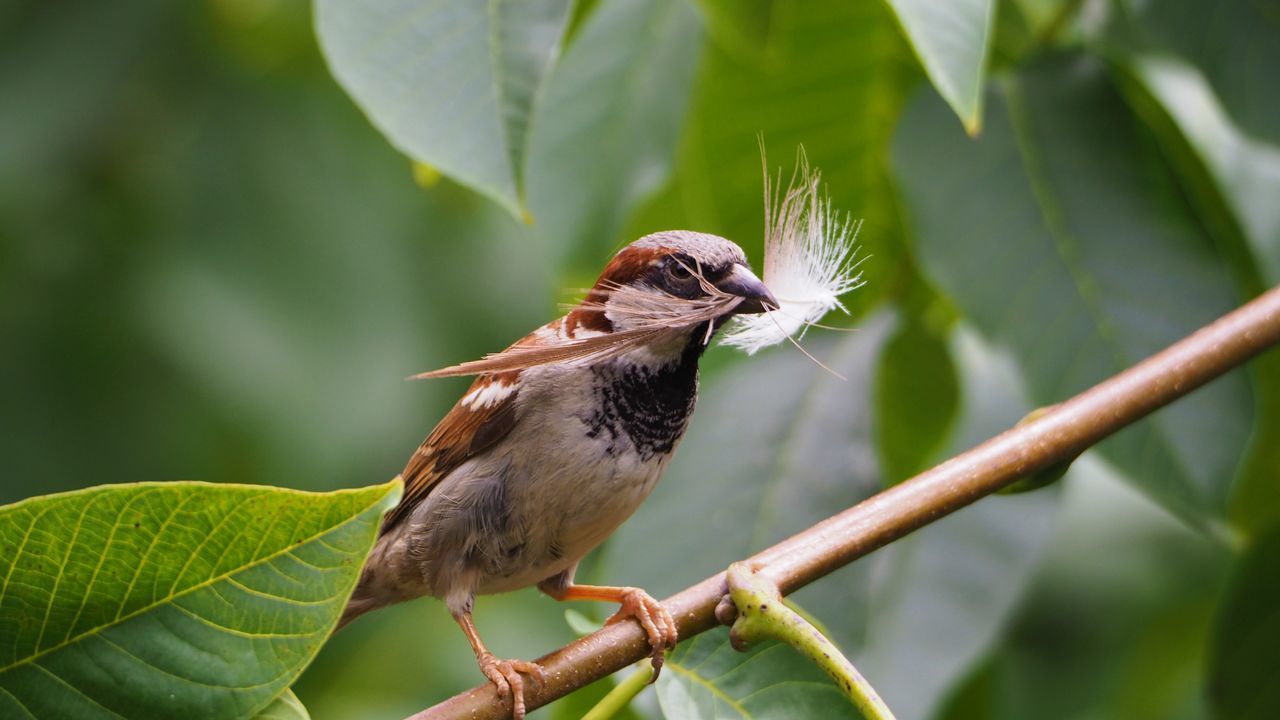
[1062,238]
[1245,664]
[173,599]
[1013,34]
[604,138]
[706,679]
[835,83]
[1232,181]
[451,84]
[286,706]
[951,40]
[778,444]
[915,401]
[743,28]
[1245,171]
[1191,72]
[1230,41]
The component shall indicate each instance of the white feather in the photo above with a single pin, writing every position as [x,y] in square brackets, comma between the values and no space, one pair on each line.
[809,262]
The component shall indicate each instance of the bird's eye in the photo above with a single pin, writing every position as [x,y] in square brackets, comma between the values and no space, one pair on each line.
[678,270]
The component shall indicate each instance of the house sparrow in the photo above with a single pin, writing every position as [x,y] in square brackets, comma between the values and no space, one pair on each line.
[558,441]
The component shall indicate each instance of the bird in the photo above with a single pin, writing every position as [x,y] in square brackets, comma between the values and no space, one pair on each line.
[557,442]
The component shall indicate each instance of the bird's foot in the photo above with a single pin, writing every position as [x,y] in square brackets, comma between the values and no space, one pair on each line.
[506,675]
[654,618]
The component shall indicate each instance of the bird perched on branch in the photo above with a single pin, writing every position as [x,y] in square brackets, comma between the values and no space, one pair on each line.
[558,441]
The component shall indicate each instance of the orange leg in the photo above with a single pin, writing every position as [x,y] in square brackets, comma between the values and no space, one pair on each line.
[636,603]
[505,674]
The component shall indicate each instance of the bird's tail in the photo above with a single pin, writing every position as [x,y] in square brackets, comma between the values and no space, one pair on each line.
[378,586]
[367,596]
[356,607]
[373,589]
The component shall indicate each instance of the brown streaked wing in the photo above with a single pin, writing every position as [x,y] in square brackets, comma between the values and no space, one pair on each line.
[461,435]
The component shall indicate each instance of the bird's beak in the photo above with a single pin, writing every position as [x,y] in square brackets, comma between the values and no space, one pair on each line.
[756,298]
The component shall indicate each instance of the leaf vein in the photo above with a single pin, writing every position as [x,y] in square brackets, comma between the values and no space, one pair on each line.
[280,598]
[177,579]
[25,709]
[102,558]
[238,632]
[62,569]
[76,690]
[715,691]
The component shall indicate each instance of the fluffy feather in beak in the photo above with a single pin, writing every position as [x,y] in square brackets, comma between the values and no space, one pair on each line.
[809,263]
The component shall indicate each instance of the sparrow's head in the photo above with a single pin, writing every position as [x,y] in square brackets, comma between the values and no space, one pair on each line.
[658,294]
[668,277]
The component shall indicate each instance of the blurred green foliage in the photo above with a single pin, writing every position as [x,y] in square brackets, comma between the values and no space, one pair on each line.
[214,266]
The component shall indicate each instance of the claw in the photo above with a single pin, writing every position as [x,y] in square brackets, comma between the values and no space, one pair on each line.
[506,675]
[654,618]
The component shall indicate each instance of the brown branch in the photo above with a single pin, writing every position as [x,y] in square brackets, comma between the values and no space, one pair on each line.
[1059,434]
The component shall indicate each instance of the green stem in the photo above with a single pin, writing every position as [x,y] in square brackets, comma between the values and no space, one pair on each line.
[621,694]
[762,614]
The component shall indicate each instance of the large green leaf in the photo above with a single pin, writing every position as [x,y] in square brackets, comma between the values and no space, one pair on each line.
[1201,63]
[834,81]
[1232,179]
[173,599]
[452,84]
[604,138]
[1233,42]
[1191,71]
[1061,237]
[951,40]
[706,679]
[1245,171]
[915,401]
[778,444]
[1245,668]
[743,28]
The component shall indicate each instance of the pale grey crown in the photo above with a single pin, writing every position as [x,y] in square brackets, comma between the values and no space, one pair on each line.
[711,250]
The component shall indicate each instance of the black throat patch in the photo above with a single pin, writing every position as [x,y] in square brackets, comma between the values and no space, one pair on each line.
[650,406]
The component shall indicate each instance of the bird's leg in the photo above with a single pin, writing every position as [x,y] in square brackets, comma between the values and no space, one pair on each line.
[652,616]
[505,674]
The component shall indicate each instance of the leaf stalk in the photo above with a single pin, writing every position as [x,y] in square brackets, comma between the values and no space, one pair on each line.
[762,615]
